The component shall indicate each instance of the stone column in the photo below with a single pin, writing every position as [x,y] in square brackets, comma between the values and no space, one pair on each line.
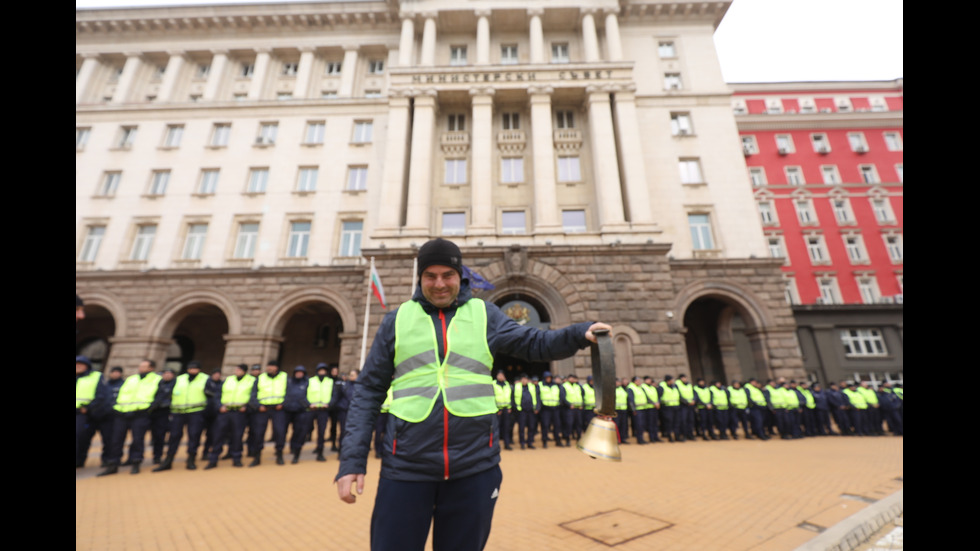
[304,73]
[542,142]
[219,64]
[613,43]
[536,35]
[429,41]
[483,37]
[481,185]
[419,204]
[590,40]
[406,46]
[90,63]
[634,170]
[609,195]
[262,59]
[171,75]
[125,85]
[347,71]
[393,178]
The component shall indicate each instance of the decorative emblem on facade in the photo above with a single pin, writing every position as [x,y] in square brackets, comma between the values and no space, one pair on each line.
[516,258]
[519,314]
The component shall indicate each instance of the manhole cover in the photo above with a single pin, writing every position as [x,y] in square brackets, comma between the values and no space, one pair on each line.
[615,527]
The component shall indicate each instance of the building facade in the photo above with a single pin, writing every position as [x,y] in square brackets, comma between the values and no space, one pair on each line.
[825,161]
[237,166]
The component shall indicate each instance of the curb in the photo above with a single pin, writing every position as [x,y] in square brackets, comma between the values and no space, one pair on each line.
[858,528]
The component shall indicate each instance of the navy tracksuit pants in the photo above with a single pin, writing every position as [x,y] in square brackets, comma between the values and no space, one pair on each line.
[195,426]
[229,426]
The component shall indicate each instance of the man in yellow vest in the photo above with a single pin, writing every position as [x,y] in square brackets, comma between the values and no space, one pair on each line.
[442,451]
[573,402]
[322,399]
[670,400]
[138,396]
[267,400]
[703,410]
[588,401]
[758,408]
[526,405]
[504,395]
[91,397]
[230,424]
[738,399]
[721,410]
[187,403]
[685,412]
[652,412]
[874,411]
[857,408]
[639,405]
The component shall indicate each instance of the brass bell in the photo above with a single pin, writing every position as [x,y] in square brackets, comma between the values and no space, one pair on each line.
[601,440]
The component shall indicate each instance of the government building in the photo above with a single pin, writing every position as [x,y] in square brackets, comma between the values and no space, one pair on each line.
[238,167]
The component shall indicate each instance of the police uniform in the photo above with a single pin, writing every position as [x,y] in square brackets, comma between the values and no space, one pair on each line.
[187,403]
[322,398]
[503,394]
[232,419]
[267,398]
[137,398]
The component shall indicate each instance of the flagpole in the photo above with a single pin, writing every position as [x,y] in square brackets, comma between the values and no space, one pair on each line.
[367,312]
[415,276]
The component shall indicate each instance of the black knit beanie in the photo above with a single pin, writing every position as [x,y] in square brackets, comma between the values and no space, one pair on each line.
[440,252]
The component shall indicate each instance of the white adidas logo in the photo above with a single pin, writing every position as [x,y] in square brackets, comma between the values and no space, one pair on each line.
[495,493]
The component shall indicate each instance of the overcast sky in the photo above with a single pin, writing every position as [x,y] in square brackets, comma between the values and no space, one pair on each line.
[769,40]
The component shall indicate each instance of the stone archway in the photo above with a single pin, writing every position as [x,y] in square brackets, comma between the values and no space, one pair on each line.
[104,319]
[199,321]
[309,326]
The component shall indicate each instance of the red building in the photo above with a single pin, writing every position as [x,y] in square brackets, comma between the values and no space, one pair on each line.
[825,160]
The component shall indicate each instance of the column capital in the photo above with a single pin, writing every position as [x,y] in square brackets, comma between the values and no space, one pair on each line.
[532,12]
[424,93]
[90,55]
[482,13]
[176,53]
[263,50]
[132,54]
[351,47]
[588,11]
[540,90]
[482,92]
[429,15]
[306,49]
[219,51]
[597,91]
[610,11]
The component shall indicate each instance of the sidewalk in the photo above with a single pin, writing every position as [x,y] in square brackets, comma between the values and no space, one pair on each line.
[722,495]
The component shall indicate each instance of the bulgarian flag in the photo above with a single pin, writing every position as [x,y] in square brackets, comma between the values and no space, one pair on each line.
[376,287]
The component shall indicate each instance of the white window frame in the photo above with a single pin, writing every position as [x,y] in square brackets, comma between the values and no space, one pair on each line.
[680,124]
[455,171]
[258,180]
[194,241]
[854,245]
[356,178]
[363,132]
[511,170]
[246,240]
[306,178]
[702,237]
[774,106]
[509,54]
[767,211]
[816,249]
[666,49]
[351,233]
[776,248]
[560,52]
[315,131]
[805,213]
[784,144]
[749,145]
[267,133]
[456,122]
[863,343]
[843,104]
[510,121]
[842,210]
[376,67]
[690,171]
[220,134]
[757,175]
[127,136]
[333,68]
[82,134]
[893,141]
[247,69]
[820,142]
[895,247]
[829,290]
[869,174]
[299,239]
[807,105]
[830,174]
[569,168]
[284,96]
[159,179]
[457,55]
[509,222]
[794,176]
[143,242]
[868,289]
[857,142]
[370,94]
[290,68]
[202,70]
[208,183]
[110,183]
[574,220]
[882,208]
[672,81]
[453,223]
[173,135]
[900,172]
[564,119]
[92,243]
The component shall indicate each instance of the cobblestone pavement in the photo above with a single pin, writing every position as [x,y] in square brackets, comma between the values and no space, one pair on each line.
[727,495]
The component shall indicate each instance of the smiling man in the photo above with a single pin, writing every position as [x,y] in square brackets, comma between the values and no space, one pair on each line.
[441,452]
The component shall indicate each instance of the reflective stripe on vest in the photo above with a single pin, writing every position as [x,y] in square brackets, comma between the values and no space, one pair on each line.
[704,395]
[502,394]
[319,392]
[386,405]
[756,395]
[272,390]
[188,396]
[550,395]
[737,398]
[588,396]
[573,393]
[236,393]
[719,398]
[463,378]
[792,398]
[808,396]
[519,393]
[639,397]
[137,393]
[85,388]
[671,397]
[622,399]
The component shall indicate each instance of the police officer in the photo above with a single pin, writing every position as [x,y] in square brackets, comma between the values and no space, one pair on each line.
[321,396]
[622,410]
[638,404]
[670,400]
[138,396]
[104,417]
[574,401]
[267,398]
[838,409]
[721,410]
[703,407]
[160,415]
[890,405]
[857,409]
[187,404]
[738,412]
[91,397]
[230,424]
[777,407]
[213,391]
[296,411]
[758,407]
[338,384]
[550,400]
[343,404]
[503,393]
[254,440]
[526,403]
[809,409]
[685,421]
[794,409]
[588,402]
[652,412]
[821,410]
[873,413]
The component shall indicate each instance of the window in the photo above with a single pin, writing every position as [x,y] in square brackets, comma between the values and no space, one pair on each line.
[830,175]
[738,107]
[784,144]
[329,94]
[768,213]
[350,238]
[893,141]
[878,104]
[789,291]
[510,121]
[508,54]
[115,74]
[299,239]
[794,176]
[248,235]
[158,182]
[307,178]
[774,106]
[194,242]
[857,142]
[143,242]
[267,133]
[690,171]
[666,48]
[776,247]
[815,248]
[700,226]
[372,93]
[453,223]
[209,181]
[855,249]
[455,171]
[883,210]
[110,183]
[81,138]
[828,291]
[559,52]
[564,119]
[900,172]
[868,174]
[240,96]
[357,178]
[511,170]
[680,124]
[896,250]
[457,122]
[842,211]
[195,97]
[284,96]
[573,221]
[258,179]
[863,342]
[127,135]
[820,143]
[843,105]
[457,55]
[749,145]
[868,288]
[804,210]
[363,131]
[247,70]
[202,70]
[90,247]
[314,132]
[333,68]
[290,69]
[376,67]
[569,170]
[758,176]
[173,135]
[672,81]
[513,222]
[807,105]
[219,137]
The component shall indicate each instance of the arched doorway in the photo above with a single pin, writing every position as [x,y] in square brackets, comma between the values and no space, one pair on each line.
[718,347]
[310,335]
[199,335]
[528,311]
[93,335]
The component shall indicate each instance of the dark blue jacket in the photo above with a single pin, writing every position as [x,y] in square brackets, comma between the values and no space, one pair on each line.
[470,443]
[820,399]
[296,398]
[835,399]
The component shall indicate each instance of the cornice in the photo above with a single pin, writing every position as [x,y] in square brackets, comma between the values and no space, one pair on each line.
[870,119]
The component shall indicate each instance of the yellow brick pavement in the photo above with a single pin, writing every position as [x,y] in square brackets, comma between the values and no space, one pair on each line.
[743,495]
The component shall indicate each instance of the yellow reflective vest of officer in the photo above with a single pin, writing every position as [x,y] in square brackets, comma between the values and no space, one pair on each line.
[271,391]
[776,397]
[671,397]
[319,392]
[188,395]
[870,396]
[686,390]
[651,393]
[137,393]
[808,396]
[719,398]
[639,397]
[519,393]
[622,399]
[573,393]
[704,396]
[236,392]
[85,388]
[386,405]
[791,398]
[588,396]
[738,398]
[856,399]
[756,395]
[503,393]
[462,378]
